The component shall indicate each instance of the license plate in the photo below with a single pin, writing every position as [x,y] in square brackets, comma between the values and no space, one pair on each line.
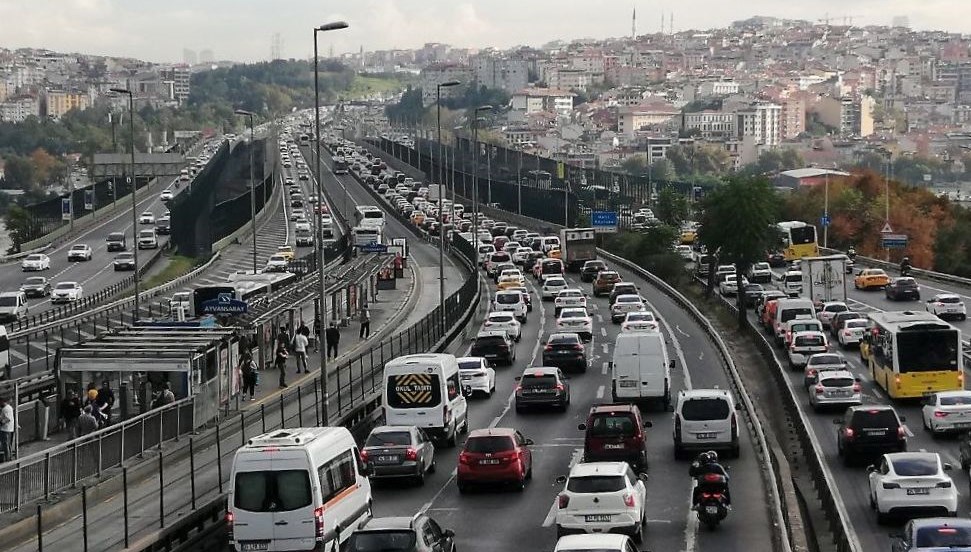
[705,435]
[387,459]
[962,425]
[711,509]
[489,462]
[255,545]
[614,446]
[628,383]
[841,393]
[875,432]
[537,391]
[919,491]
[597,518]
[464,378]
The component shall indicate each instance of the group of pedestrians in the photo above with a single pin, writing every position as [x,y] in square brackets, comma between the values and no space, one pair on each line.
[90,414]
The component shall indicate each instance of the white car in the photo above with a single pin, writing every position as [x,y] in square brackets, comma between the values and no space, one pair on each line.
[80,252]
[575,320]
[511,300]
[804,345]
[908,482]
[760,273]
[852,332]
[685,251]
[476,373]
[181,299]
[166,195]
[947,305]
[835,388]
[947,411]
[603,542]
[146,218]
[830,310]
[521,254]
[66,292]
[640,321]
[602,497]
[624,304]
[35,261]
[729,286]
[552,286]
[822,362]
[504,321]
[569,298]
[277,263]
[297,214]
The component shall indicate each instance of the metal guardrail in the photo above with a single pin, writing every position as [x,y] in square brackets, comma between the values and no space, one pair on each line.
[924,273]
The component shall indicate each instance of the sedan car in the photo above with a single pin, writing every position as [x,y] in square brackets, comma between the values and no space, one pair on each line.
[910,484]
[146,218]
[852,332]
[729,286]
[36,286]
[871,278]
[591,269]
[124,261]
[822,362]
[565,350]
[398,451]
[476,374]
[752,293]
[552,286]
[603,284]
[542,386]
[947,305]
[932,534]
[575,319]
[166,195]
[35,261]
[569,298]
[495,455]
[947,411]
[904,287]
[602,497]
[837,388]
[829,310]
[66,292]
[640,321]
[504,321]
[760,273]
[623,305]
[277,263]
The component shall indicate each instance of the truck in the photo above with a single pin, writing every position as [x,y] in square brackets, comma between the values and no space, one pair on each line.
[824,278]
[577,246]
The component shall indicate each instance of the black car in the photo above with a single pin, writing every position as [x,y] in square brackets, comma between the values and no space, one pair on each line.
[752,293]
[36,286]
[542,387]
[776,259]
[124,261]
[565,350]
[591,269]
[870,430]
[418,533]
[903,288]
[495,347]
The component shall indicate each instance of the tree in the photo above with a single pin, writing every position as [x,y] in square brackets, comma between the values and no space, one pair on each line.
[663,170]
[20,173]
[22,225]
[777,160]
[737,223]
[409,108]
[671,207]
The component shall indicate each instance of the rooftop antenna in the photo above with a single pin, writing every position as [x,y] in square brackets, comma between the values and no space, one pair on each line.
[671,22]
[633,22]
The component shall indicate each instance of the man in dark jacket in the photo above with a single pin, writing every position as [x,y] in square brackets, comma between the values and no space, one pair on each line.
[333,337]
[106,400]
[70,412]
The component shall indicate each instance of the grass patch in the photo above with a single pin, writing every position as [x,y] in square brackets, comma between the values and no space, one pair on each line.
[177,266]
[366,86]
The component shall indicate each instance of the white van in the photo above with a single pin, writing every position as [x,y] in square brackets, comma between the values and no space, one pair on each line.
[423,390]
[297,489]
[147,239]
[790,309]
[792,283]
[13,305]
[641,368]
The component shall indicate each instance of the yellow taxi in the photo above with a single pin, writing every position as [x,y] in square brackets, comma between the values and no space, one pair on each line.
[417,218]
[286,251]
[688,237]
[871,278]
[508,282]
[554,254]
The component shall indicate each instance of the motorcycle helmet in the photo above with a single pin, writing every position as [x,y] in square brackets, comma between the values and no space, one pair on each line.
[712,457]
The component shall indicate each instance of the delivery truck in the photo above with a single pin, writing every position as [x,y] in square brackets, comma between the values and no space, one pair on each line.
[577,246]
[824,278]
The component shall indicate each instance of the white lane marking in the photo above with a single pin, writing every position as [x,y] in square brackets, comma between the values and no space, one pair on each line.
[600,392]
[909,433]
[600,318]
[701,355]
[603,332]
[680,331]
[690,529]
[606,366]
[575,459]
[427,505]
[605,348]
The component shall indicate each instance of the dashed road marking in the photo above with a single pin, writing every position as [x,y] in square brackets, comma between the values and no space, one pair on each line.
[600,392]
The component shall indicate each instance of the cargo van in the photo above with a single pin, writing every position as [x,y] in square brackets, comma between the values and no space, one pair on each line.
[790,309]
[13,306]
[297,489]
[641,368]
[423,390]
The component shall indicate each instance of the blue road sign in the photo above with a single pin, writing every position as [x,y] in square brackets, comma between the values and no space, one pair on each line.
[893,241]
[66,208]
[603,219]
[824,220]
[373,248]
[224,304]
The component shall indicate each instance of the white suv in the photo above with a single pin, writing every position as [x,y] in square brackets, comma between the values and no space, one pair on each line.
[602,497]
[511,301]
[705,419]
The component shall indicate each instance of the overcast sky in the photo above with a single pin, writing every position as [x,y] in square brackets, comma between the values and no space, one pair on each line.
[242,29]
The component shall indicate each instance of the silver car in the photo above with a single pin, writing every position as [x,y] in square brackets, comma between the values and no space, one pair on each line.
[835,388]
[398,451]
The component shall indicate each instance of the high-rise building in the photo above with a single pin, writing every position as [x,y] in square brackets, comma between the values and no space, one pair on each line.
[505,74]
[762,122]
[176,78]
[189,57]
[435,74]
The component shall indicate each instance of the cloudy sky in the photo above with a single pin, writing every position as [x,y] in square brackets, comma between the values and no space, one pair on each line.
[243,29]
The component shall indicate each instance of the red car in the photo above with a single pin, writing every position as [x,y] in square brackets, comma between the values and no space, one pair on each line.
[498,455]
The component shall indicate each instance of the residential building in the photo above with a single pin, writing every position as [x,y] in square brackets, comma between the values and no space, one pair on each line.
[505,74]
[710,124]
[570,79]
[631,120]
[16,109]
[717,88]
[762,122]
[176,80]
[435,74]
[852,116]
[532,100]
[59,102]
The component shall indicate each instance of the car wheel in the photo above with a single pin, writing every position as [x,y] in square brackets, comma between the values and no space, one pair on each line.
[420,478]
[433,466]
[735,451]
[678,452]
[638,534]
[463,487]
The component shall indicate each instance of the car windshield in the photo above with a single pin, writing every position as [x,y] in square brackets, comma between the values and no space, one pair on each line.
[490,341]
[488,443]
[502,318]
[826,359]
[942,537]
[381,541]
[34,257]
[596,484]
[915,465]
[876,418]
[35,281]
[840,381]
[809,341]
[564,339]
[955,400]
[388,439]
[573,314]
[64,285]
[623,299]
[793,313]
[855,324]
[567,293]
[272,491]
[705,409]
[953,299]
[470,365]
[555,282]
[608,425]
[73,248]
[793,277]
[609,277]
[640,317]
[540,381]
[8,301]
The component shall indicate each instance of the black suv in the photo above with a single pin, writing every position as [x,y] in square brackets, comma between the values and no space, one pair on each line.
[495,347]
[542,386]
[418,533]
[565,349]
[903,288]
[623,288]
[591,269]
[870,430]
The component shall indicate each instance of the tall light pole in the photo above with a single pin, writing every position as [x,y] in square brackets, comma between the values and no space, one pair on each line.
[441,193]
[475,175]
[134,204]
[252,179]
[321,300]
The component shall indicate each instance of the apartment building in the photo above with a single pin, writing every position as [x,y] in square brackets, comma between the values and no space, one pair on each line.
[852,116]
[433,75]
[59,102]
[17,109]
[534,100]
[710,124]
[504,74]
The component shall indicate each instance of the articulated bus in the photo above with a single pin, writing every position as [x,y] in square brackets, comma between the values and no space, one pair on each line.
[911,354]
[798,240]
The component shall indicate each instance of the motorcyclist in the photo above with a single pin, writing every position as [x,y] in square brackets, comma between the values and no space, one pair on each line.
[905,266]
[851,253]
[706,463]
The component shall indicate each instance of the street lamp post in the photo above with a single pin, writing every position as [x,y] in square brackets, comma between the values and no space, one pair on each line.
[441,193]
[252,179]
[134,204]
[318,189]
[475,175]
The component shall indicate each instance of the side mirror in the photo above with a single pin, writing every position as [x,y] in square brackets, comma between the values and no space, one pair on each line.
[643,477]
[582,427]
[948,466]
[871,468]
[529,442]
[671,364]
[648,423]
[560,479]
[448,534]
[517,378]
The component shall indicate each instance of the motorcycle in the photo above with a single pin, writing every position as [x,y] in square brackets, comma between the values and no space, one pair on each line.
[712,506]
[850,266]
[905,270]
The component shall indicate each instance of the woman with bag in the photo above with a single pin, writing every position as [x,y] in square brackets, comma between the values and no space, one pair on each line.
[247,366]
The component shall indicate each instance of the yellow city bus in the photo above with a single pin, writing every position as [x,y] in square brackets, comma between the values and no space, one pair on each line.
[912,354]
[798,240]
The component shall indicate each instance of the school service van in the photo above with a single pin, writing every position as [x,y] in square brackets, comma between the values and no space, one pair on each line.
[423,390]
[641,368]
[297,489]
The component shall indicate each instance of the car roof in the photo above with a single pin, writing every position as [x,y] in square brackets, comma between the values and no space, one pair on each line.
[490,333]
[629,296]
[920,523]
[956,393]
[573,309]
[540,370]
[947,295]
[391,428]
[584,469]
[492,432]
[384,523]
[828,374]
[705,393]
[460,360]
[607,408]
[500,313]
[913,456]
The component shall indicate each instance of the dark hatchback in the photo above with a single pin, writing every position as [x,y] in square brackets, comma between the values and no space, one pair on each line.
[495,347]
[615,432]
[565,350]
[752,293]
[590,270]
[542,387]
[36,286]
[903,288]
[870,430]
[418,533]
[776,259]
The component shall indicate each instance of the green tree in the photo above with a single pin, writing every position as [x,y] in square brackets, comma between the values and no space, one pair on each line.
[671,207]
[737,221]
[777,160]
[20,173]
[409,108]
[22,226]
[662,169]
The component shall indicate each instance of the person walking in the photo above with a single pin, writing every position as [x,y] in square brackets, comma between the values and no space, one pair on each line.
[316,331]
[247,367]
[87,423]
[6,430]
[333,336]
[281,363]
[70,412]
[300,343]
[365,323]
[106,400]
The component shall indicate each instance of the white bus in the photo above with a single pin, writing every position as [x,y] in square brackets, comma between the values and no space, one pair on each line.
[363,235]
[369,215]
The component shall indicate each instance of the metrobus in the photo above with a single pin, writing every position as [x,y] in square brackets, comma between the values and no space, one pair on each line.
[363,235]
[368,215]
[798,240]
[911,354]
[340,165]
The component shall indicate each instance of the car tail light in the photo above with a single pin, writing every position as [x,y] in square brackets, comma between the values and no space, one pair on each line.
[820,389]
[940,414]
[891,485]
[230,517]
[560,387]
[850,434]
[943,485]
[519,389]
[365,456]
[629,500]
[548,348]
[563,501]
[464,458]
[411,454]
[319,521]
[857,388]
[847,333]
[901,432]
[812,372]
